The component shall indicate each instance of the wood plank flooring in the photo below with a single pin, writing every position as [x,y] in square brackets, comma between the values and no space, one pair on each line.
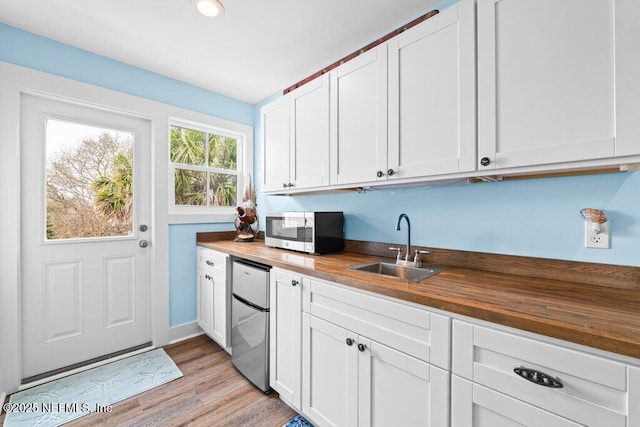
[211,393]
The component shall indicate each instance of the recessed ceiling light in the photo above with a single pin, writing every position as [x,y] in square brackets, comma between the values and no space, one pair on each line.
[210,8]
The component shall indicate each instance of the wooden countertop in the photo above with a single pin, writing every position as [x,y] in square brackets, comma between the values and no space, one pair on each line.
[601,317]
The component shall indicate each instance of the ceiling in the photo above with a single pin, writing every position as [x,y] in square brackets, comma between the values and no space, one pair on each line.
[257,48]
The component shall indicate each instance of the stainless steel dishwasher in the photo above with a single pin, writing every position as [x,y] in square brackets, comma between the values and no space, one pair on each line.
[250,321]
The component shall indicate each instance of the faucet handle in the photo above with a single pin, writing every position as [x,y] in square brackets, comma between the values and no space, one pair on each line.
[416,257]
[399,250]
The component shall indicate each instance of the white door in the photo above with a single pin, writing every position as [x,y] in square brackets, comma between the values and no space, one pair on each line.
[359,118]
[547,75]
[285,338]
[275,137]
[85,211]
[329,373]
[397,389]
[310,134]
[432,96]
[205,300]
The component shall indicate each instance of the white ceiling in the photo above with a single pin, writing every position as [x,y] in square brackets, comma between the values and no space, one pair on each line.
[257,48]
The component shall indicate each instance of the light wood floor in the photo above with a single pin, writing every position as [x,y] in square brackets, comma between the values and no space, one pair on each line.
[211,393]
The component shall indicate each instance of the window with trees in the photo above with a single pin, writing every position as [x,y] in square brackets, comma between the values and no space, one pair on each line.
[206,166]
[89,181]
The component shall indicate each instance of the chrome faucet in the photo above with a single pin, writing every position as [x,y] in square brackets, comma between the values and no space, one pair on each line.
[416,258]
[405,216]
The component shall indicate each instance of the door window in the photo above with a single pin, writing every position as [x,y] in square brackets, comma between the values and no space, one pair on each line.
[89,181]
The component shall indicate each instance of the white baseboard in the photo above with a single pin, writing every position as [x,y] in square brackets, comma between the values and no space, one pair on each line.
[184,332]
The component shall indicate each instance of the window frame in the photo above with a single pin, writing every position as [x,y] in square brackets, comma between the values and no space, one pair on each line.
[243,134]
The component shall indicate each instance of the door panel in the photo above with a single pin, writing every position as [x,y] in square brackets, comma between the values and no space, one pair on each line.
[119,291]
[63,300]
[84,277]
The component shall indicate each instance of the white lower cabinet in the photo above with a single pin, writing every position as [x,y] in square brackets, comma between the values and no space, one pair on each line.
[474,405]
[370,361]
[350,380]
[213,295]
[285,330]
[502,378]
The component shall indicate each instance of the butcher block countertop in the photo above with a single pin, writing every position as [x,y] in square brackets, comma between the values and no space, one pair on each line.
[603,317]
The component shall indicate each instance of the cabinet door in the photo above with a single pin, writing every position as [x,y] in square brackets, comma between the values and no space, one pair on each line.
[432,96]
[275,137]
[205,300]
[309,155]
[547,73]
[329,373]
[397,389]
[220,323]
[475,406]
[359,118]
[285,296]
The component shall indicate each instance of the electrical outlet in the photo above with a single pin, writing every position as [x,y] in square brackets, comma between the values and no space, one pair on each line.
[597,240]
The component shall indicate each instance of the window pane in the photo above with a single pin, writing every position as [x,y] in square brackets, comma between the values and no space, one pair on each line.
[89,181]
[190,187]
[187,146]
[223,189]
[222,152]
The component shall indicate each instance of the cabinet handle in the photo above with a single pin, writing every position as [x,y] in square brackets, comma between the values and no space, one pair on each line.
[390,172]
[538,377]
[294,282]
[349,342]
[380,174]
[209,263]
[362,347]
[485,161]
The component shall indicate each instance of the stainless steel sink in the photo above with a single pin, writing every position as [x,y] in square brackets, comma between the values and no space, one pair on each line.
[411,274]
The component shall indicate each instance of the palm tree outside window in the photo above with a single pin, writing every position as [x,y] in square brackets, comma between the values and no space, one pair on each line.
[205,166]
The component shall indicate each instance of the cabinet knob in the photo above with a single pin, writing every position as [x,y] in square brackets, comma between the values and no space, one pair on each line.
[209,263]
[290,185]
[390,172]
[294,282]
[485,161]
[380,174]
[284,185]
[349,342]
[362,347]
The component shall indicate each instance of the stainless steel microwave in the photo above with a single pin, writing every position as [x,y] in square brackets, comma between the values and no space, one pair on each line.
[311,232]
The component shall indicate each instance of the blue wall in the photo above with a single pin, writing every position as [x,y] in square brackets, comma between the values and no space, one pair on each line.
[29,50]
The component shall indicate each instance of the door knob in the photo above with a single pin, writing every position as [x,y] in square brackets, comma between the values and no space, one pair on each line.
[143,243]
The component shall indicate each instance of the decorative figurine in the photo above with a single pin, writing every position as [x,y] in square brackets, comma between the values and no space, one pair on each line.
[246,216]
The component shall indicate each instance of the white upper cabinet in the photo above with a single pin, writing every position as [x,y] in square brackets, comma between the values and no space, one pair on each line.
[432,96]
[296,138]
[359,118]
[275,137]
[309,153]
[557,81]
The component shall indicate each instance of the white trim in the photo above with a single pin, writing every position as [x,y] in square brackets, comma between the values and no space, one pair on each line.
[211,125]
[184,332]
[15,79]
